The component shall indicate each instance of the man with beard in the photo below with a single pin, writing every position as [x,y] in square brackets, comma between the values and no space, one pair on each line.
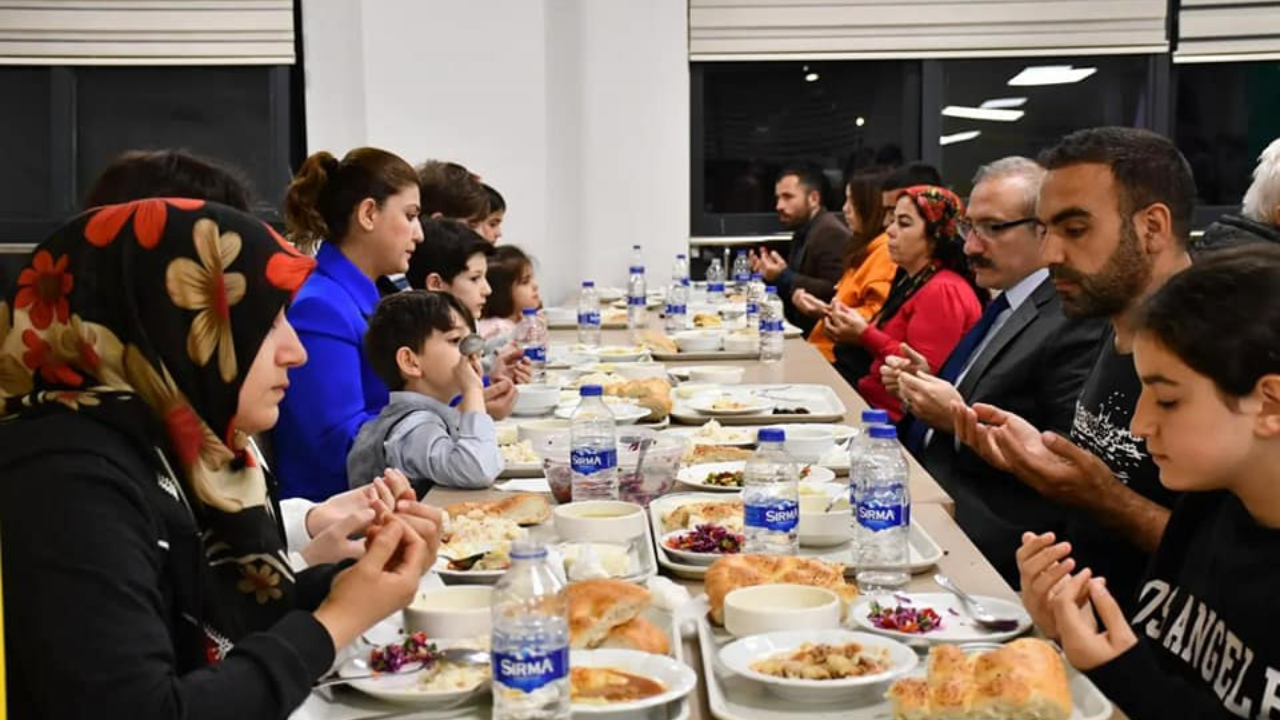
[815,260]
[1024,355]
[1114,218]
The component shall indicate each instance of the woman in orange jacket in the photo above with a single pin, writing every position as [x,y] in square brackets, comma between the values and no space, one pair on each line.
[868,268]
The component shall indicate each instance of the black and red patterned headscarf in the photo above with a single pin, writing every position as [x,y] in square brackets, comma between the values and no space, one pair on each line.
[147,317]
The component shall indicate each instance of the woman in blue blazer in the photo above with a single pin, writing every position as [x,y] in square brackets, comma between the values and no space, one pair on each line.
[365,208]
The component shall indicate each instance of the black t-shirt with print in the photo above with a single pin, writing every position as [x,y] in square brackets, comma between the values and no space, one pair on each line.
[1101,426]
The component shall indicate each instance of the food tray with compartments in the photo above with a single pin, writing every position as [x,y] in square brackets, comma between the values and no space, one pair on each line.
[820,402]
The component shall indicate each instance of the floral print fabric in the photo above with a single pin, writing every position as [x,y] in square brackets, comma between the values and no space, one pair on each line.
[146,316]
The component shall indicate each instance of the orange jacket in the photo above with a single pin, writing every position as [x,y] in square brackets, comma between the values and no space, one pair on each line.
[863,288]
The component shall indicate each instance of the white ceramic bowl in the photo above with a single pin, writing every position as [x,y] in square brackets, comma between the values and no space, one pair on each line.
[456,611]
[619,353]
[742,342]
[641,370]
[739,655]
[694,341]
[536,399]
[820,527]
[599,521]
[768,608]
[809,444]
[716,374]
[679,679]
[538,432]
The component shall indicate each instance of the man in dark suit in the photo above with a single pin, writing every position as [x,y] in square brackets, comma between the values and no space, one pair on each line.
[1023,353]
[815,260]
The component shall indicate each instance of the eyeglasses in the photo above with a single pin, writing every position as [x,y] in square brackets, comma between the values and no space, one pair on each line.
[990,229]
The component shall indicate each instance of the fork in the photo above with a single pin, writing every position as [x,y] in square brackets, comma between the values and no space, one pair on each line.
[975,609]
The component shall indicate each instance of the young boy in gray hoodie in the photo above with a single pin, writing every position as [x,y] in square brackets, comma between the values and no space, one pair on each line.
[413,345]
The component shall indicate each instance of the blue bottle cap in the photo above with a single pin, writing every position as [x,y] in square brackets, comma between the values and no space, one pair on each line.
[680,256]
[770,289]
[591,391]
[872,416]
[529,311]
[588,283]
[771,435]
[883,432]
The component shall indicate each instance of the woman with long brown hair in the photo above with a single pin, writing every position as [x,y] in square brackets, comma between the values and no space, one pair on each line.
[868,271]
[363,212]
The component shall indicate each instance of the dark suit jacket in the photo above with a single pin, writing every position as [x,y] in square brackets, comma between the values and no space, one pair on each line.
[815,262]
[1034,367]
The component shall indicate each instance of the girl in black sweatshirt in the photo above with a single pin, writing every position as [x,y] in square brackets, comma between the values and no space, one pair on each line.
[1203,643]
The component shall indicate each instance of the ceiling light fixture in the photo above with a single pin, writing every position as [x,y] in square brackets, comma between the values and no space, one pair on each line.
[860,121]
[973,113]
[811,77]
[1000,103]
[959,137]
[1051,75]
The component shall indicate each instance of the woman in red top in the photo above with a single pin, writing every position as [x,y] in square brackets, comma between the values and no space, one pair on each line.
[932,304]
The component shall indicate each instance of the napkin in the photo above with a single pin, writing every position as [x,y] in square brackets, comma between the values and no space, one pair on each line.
[536,485]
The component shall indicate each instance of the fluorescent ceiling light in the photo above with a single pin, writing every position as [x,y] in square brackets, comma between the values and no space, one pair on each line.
[811,77]
[1051,75]
[1010,102]
[959,137]
[973,113]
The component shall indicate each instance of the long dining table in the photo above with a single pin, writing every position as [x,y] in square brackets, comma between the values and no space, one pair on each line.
[932,507]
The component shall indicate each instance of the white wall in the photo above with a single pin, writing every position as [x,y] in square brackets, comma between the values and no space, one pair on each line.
[576,110]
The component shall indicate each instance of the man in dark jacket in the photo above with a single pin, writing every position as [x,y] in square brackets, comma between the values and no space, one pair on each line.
[1027,357]
[815,260]
[1259,220]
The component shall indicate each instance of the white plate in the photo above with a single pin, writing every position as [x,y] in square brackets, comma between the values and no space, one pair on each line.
[734,437]
[619,353]
[740,654]
[679,678]
[402,689]
[696,475]
[623,413]
[751,405]
[608,294]
[687,556]
[957,626]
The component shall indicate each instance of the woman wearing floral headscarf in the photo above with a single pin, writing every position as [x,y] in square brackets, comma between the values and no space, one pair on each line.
[145,567]
[932,303]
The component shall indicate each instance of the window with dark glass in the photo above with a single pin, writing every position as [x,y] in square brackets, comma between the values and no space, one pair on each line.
[753,118]
[1225,114]
[992,108]
[25,185]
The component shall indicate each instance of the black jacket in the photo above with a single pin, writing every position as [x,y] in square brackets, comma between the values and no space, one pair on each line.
[815,262]
[100,583]
[1033,367]
[1233,230]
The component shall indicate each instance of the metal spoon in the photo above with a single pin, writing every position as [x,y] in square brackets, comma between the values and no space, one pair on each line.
[463,564]
[975,609]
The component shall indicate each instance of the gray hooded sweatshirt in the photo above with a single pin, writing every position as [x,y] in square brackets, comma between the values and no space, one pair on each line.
[426,440]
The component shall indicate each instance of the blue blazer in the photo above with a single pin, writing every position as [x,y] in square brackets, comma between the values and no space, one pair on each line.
[336,391]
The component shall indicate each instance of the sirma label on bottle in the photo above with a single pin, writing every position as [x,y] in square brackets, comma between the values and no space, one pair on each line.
[781,516]
[589,318]
[876,516]
[715,287]
[585,461]
[753,308]
[536,353]
[528,672]
[677,309]
[636,300]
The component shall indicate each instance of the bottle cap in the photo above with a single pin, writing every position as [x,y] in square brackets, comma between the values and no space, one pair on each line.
[591,391]
[680,256]
[529,311]
[527,549]
[771,435]
[873,416]
[588,283]
[883,432]
[770,289]
[637,269]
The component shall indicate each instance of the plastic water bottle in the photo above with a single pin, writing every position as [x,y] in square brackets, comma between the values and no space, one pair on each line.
[771,326]
[883,512]
[532,336]
[637,297]
[677,309]
[680,269]
[755,298]
[771,497]
[593,448]
[715,282]
[741,272]
[589,315]
[530,639]
[858,447]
